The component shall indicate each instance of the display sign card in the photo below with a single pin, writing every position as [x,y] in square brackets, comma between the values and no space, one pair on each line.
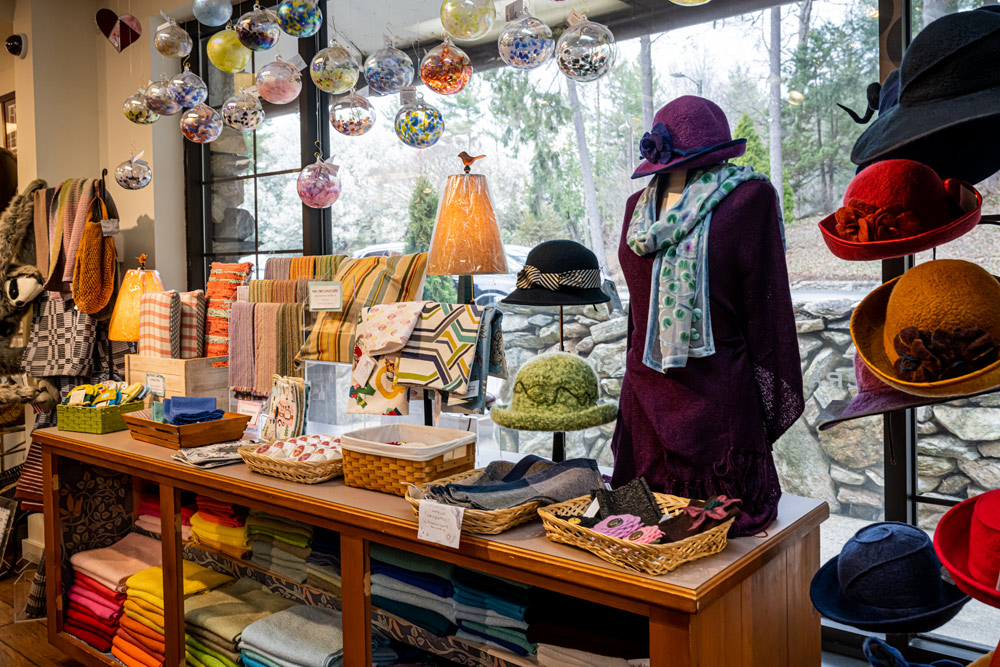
[157,384]
[252,409]
[326,295]
[440,524]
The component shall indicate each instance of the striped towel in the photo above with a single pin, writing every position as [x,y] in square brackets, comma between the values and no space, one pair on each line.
[302,268]
[241,347]
[278,268]
[193,310]
[160,325]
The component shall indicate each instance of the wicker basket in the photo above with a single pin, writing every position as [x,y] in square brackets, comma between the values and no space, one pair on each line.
[302,472]
[94,420]
[648,558]
[481,522]
[368,466]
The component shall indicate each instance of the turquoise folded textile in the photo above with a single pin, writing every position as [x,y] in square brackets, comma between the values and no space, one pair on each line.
[471,599]
[419,616]
[488,617]
[504,634]
[300,635]
[410,561]
[443,606]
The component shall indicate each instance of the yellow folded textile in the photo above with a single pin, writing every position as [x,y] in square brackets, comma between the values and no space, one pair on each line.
[145,610]
[240,553]
[139,618]
[196,580]
[237,537]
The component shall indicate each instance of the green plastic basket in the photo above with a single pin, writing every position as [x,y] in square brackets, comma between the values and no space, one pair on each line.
[94,420]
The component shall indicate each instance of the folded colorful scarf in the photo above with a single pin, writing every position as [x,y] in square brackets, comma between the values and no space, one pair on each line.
[178,406]
[327,572]
[213,642]
[195,580]
[506,635]
[94,586]
[414,596]
[296,573]
[120,647]
[323,584]
[99,641]
[269,550]
[226,611]
[482,583]
[558,656]
[260,520]
[236,537]
[205,654]
[220,507]
[411,561]
[88,618]
[302,634]
[112,566]
[323,558]
[152,648]
[429,582]
[143,633]
[97,605]
[284,547]
[424,618]
[237,552]
[498,605]
[504,484]
[139,618]
[138,608]
[198,417]
[465,612]
[153,525]
[471,635]
[227,521]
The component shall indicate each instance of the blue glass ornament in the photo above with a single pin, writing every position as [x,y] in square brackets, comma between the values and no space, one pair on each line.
[388,70]
[187,89]
[212,12]
[419,124]
[526,43]
[258,29]
[300,18]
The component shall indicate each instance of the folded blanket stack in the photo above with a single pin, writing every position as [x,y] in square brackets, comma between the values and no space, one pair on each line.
[95,600]
[214,621]
[323,562]
[280,545]
[140,639]
[303,636]
[221,526]
[491,610]
[149,515]
[414,588]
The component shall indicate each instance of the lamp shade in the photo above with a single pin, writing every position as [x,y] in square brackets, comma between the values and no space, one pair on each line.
[124,325]
[466,239]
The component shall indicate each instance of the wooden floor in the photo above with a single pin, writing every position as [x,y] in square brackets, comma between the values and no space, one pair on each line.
[25,644]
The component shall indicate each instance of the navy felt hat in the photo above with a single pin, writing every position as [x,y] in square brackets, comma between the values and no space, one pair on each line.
[887,578]
[880,654]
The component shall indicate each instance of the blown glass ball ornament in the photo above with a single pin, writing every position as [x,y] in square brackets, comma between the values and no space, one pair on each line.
[468,19]
[212,12]
[226,52]
[318,184]
[300,18]
[446,69]
[258,29]
[419,124]
[201,124]
[243,112]
[690,3]
[172,41]
[388,70]
[137,111]
[526,43]
[333,70]
[352,116]
[158,98]
[133,174]
[586,51]
[279,82]
[188,89]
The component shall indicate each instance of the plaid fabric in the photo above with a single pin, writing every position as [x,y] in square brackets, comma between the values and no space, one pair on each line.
[365,282]
[160,325]
[193,310]
[61,342]
[223,279]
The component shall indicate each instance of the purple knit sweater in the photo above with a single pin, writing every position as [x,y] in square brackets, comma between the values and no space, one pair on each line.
[707,429]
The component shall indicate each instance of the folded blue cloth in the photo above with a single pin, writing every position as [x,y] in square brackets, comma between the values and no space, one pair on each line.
[468,633]
[250,662]
[428,582]
[197,417]
[186,405]
[880,654]
[488,602]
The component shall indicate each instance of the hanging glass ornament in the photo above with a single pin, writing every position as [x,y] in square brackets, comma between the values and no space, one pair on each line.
[172,41]
[226,52]
[158,97]
[446,69]
[352,116]
[468,19]
[586,50]
[258,29]
[243,111]
[388,70]
[201,124]
[133,173]
[279,82]
[300,18]
[690,3]
[419,124]
[319,185]
[526,42]
[333,70]
[137,111]
[212,12]
[187,89]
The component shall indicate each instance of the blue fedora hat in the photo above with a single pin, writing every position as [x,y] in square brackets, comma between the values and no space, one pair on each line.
[880,654]
[887,578]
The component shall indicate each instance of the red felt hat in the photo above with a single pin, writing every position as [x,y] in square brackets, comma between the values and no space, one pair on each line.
[967,540]
[899,207]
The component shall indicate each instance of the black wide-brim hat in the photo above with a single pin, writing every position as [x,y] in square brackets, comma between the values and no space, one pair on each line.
[948,115]
[550,272]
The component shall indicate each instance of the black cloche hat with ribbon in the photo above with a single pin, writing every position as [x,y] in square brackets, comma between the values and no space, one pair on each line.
[558,273]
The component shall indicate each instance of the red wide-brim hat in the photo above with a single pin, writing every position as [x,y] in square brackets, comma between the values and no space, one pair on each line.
[960,546]
[967,198]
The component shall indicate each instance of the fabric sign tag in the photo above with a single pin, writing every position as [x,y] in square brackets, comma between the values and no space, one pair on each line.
[109,227]
[473,390]
[514,9]
[252,409]
[592,509]
[157,384]
[408,95]
[325,295]
[363,371]
[242,293]
[298,63]
[440,524]
[77,397]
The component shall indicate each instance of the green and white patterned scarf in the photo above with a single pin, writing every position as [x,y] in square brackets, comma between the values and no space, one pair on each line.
[680,323]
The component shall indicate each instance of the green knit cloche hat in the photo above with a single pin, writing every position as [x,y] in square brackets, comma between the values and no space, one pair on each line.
[555,392]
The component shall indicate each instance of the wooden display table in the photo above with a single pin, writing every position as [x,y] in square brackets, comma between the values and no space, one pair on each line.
[746,607]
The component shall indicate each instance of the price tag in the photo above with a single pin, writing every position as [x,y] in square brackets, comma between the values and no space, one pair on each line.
[592,509]
[109,227]
[298,63]
[363,370]
[575,18]
[408,95]
[440,524]
[514,9]
[242,293]
[473,390]
[163,26]
[326,295]
[157,384]
[252,409]
[77,397]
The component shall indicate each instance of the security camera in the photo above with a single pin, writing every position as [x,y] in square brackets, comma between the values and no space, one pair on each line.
[17,45]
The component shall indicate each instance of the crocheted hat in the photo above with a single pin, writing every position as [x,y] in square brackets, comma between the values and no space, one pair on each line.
[967,540]
[899,207]
[933,331]
[555,392]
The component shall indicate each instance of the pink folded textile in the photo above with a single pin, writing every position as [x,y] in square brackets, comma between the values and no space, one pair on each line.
[100,607]
[111,566]
[152,524]
[110,595]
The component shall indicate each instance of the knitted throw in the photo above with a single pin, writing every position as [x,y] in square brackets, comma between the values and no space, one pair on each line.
[222,283]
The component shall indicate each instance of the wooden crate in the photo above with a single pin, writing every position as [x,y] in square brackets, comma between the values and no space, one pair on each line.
[229,428]
[183,377]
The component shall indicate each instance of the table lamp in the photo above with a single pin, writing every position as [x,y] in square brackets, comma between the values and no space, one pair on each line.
[466,239]
[124,324]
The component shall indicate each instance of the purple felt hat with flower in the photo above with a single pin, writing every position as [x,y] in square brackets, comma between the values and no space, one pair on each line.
[688,132]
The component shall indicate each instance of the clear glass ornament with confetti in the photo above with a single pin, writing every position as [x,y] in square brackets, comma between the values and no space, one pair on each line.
[388,70]
[158,97]
[226,52]
[201,124]
[352,116]
[419,124]
[446,69]
[134,173]
[188,89]
[172,41]
[468,19]
[279,82]
[526,42]
[212,12]
[333,70]
[318,184]
[586,51]
[300,18]
[258,29]
[243,111]
[137,111]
